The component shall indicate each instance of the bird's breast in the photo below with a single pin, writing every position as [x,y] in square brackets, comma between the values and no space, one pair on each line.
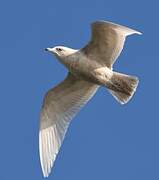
[86,69]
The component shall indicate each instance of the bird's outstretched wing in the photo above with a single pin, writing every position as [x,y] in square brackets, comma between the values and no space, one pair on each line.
[107,42]
[60,105]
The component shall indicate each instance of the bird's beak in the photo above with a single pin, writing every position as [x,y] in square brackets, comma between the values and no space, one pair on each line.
[48,49]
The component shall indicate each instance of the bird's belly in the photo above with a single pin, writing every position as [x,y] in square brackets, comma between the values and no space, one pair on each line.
[101,75]
[95,74]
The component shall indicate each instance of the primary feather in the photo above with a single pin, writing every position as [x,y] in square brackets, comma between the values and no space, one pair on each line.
[60,105]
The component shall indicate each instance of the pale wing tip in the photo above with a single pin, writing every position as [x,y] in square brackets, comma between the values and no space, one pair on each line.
[47,172]
[46,175]
[122,28]
[139,33]
[46,168]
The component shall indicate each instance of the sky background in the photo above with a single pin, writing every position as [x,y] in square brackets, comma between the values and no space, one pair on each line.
[105,140]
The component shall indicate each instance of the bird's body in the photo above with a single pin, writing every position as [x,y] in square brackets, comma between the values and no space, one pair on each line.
[89,68]
[84,68]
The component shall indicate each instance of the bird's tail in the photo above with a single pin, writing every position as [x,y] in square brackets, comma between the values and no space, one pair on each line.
[122,86]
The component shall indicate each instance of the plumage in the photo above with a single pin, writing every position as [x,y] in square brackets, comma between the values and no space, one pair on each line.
[89,68]
[60,105]
[107,42]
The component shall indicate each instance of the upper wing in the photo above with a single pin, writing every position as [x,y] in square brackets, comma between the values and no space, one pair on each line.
[107,42]
[60,105]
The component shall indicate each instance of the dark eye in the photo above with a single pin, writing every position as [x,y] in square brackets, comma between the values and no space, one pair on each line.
[58,49]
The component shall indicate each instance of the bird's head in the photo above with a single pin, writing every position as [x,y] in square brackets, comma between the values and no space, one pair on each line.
[60,51]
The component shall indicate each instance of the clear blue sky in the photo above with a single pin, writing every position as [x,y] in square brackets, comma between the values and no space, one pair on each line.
[105,140]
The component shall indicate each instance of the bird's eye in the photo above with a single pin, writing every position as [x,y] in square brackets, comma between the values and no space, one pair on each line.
[58,49]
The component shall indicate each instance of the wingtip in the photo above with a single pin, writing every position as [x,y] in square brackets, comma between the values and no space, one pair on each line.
[45,170]
[127,30]
[45,175]
[139,33]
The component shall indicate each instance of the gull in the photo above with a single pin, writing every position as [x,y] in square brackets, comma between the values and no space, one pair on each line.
[89,68]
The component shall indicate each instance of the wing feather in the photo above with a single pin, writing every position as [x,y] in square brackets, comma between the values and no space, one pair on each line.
[60,105]
[107,42]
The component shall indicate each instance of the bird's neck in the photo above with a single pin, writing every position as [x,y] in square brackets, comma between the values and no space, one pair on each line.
[70,61]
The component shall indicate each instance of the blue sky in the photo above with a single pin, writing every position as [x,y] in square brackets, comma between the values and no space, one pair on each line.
[105,140]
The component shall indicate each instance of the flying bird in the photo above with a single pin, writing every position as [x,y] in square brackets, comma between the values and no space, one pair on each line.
[88,69]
